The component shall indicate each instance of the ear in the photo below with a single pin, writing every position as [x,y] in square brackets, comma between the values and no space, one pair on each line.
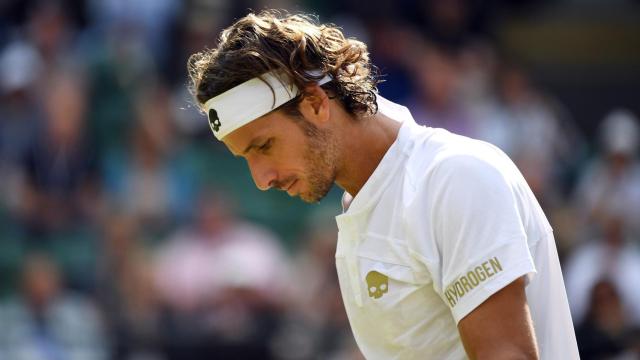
[315,105]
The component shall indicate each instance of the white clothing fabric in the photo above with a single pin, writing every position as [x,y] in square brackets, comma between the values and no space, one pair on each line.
[443,223]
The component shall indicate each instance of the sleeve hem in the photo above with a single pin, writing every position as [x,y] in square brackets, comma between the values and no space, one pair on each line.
[464,307]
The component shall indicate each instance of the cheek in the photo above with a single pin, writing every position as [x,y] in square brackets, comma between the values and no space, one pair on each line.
[298,166]
[298,156]
[294,159]
[283,165]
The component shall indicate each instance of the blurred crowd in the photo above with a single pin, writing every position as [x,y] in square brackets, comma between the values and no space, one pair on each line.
[127,232]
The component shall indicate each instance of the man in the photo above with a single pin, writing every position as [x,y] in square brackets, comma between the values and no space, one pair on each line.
[443,250]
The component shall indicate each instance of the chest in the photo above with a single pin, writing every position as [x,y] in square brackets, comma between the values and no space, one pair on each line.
[388,294]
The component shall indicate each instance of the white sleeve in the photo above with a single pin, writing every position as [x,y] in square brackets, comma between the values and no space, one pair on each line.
[477,230]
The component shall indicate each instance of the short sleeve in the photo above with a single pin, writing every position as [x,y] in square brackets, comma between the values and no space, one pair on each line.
[476,229]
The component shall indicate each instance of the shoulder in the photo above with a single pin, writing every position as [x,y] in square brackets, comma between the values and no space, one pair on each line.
[443,159]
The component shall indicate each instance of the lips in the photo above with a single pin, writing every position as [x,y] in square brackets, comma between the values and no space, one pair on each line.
[288,189]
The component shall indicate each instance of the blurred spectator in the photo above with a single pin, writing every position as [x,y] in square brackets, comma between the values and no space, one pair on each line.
[127,294]
[543,141]
[120,70]
[202,19]
[148,180]
[222,280]
[50,31]
[316,325]
[606,332]
[148,24]
[44,322]
[61,189]
[393,46]
[453,23]
[437,101]
[615,257]
[610,184]
[20,66]
[479,65]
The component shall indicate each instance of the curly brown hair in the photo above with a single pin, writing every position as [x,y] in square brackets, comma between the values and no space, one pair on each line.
[294,44]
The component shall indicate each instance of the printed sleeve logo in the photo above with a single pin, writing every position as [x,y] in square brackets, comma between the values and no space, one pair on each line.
[214,121]
[377,283]
[467,282]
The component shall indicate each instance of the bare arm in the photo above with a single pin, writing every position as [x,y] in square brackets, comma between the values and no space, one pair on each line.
[501,327]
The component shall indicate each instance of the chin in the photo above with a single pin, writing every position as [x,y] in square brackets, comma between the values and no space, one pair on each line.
[313,198]
[308,199]
[317,188]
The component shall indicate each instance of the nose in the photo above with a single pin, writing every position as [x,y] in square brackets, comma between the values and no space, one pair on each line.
[263,175]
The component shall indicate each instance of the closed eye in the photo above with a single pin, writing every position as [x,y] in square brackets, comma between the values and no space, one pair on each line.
[266,146]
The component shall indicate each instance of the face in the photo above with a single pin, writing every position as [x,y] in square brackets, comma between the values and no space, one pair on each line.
[286,153]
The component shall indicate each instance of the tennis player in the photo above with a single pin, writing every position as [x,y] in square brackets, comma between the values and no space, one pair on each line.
[443,251]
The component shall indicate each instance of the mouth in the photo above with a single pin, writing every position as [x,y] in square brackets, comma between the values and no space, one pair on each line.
[288,189]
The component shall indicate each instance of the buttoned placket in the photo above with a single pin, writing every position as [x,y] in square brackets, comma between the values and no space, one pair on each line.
[352,224]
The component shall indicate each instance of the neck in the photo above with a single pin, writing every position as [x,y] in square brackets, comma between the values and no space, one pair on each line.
[364,143]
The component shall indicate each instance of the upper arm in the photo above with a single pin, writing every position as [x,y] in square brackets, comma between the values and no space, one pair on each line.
[475,209]
[500,327]
[479,232]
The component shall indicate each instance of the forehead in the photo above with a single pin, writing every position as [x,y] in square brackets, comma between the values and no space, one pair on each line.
[272,124]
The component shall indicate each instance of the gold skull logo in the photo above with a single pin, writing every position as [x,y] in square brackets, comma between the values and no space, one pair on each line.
[377,283]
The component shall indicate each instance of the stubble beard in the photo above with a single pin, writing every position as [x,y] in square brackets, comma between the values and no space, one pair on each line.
[321,159]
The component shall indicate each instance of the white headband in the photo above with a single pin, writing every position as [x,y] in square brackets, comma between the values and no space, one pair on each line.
[250,100]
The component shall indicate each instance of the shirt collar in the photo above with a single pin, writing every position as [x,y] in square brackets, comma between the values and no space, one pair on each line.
[391,161]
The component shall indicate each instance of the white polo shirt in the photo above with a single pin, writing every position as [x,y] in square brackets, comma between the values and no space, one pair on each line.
[443,223]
